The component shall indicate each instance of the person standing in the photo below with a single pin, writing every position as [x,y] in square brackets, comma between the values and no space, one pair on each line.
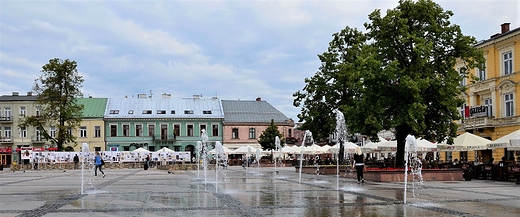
[76,161]
[97,161]
[359,164]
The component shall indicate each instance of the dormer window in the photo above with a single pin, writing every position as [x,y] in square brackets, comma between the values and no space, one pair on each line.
[147,111]
[206,112]
[161,111]
[130,112]
[188,112]
[172,112]
[114,112]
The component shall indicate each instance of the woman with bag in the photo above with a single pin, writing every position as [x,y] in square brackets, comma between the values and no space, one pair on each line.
[98,162]
[358,163]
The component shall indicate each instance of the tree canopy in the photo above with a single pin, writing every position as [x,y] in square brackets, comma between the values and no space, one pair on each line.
[57,90]
[400,75]
[268,136]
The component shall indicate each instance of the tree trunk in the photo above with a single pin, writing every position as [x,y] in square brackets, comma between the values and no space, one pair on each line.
[401,132]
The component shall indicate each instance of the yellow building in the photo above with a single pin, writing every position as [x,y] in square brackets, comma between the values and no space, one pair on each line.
[92,128]
[491,110]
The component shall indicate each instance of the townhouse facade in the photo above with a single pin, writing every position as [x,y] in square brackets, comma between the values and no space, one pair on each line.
[151,123]
[492,107]
[92,127]
[245,120]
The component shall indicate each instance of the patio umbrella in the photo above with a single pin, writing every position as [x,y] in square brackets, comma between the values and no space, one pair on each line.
[315,149]
[226,150]
[350,147]
[245,150]
[505,141]
[465,142]
[141,150]
[515,143]
[164,149]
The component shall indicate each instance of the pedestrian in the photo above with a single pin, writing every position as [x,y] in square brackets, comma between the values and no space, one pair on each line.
[76,161]
[358,162]
[99,164]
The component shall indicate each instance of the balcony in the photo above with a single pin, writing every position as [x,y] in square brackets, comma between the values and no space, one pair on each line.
[6,119]
[164,138]
[480,122]
[37,139]
[6,140]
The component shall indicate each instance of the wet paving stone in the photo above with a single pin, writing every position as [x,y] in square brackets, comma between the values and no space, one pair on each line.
[238,192]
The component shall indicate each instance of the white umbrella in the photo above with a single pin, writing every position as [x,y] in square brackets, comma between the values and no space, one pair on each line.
[226,150]
[515,143]
[164,149]
[245,150]
[314,149]
[465,142]
[350,147]
[141,150]
[372,146]
[505,141]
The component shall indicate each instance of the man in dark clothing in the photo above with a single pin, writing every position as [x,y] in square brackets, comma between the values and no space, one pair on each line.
[76,162]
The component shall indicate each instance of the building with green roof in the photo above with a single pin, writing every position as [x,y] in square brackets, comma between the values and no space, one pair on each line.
[92,124]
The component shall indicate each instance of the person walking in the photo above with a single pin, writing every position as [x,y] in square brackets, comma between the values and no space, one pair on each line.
[99,164]
[359,164]
[76,162]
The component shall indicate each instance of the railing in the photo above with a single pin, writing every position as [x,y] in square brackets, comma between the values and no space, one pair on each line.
[478,122]
[6,118]
[164,138]
[6,139]
[37,139]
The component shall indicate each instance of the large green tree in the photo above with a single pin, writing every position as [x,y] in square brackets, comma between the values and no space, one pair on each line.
[57,90]
[400,75]
[267,138]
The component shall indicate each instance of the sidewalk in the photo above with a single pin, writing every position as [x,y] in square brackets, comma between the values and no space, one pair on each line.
[243,192]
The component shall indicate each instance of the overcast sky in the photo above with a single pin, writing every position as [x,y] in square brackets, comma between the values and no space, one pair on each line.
[230,49]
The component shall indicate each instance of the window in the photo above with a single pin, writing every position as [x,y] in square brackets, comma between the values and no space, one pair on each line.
[97,131]
[190,129]
[215,129]
[176,130]
[38,111]
[252,133]
[164,132]
[113,130]
[290,132]
[508,62]
[489,104]
[188,112]
[462,73]
[7,132]
[203,127]
[151,130]
[172,112]
[130,112]
[508,99]
[69,131]
[23,132]
[147,111]
[38,134]
[138,130]
[114,112]
[126,130]
[482,72]
[7,113]
[83,131]
[206,112]
[234,133]
[23,111]
[161,111]
[53,132]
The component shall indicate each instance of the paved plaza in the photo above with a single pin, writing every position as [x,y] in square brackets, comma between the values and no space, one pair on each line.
[243,192]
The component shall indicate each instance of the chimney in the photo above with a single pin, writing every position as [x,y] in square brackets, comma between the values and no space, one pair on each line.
[29,93]
[258,99]
[15,93]
[505,27]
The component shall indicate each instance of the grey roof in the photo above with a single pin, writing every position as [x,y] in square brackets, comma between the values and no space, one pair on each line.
[10,98]
[240,111]
[200,108]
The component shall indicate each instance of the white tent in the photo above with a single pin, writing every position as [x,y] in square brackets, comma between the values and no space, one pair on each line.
[515,143]
[505,141]
[315,149]
[422,146]
[465,142]
[291,149]
[373,146]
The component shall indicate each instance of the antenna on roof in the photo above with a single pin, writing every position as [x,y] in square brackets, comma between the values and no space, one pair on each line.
[151,94]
